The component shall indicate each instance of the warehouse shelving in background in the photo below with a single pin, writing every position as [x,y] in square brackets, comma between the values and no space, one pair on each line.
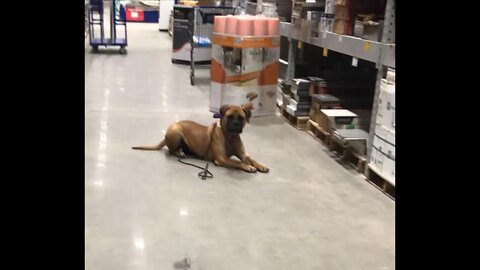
[376,52]
[380,53]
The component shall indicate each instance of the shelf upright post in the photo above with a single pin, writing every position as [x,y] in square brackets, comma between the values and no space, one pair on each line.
[292,51]
[388,36]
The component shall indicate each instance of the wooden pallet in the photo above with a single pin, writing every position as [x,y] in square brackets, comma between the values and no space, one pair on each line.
[318,132]
[380,182]
[299,122]
[356,160]
[349,155]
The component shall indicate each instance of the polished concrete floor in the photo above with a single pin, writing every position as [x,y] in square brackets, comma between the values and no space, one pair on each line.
[144,210]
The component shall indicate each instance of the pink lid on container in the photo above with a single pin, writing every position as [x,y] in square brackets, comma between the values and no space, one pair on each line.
[273,24]
[245,26]
[260,26]
[219,24]
[231,27]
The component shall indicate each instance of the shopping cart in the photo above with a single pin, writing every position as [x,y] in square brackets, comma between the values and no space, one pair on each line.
[200,28]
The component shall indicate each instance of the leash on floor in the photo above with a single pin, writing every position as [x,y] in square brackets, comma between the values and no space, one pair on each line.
[204,174]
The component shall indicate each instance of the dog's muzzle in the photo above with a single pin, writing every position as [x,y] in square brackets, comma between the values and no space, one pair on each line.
[234,126]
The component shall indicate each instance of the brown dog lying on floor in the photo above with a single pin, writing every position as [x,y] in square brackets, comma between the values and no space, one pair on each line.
[217,142]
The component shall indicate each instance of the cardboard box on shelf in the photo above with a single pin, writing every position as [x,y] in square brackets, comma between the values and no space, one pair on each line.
[304,106]
[313,15]
[314,111]
[386,105]
[326,22]
[279,103]
[363,118]
[290,110]
[358,28]
[342,27]
[391,76]
[285,101]
[387,148]
[279,97]
[385,133]
[342,12]
[252,60]
[326,100]
[383,165]
[300,85]
[317,86]
[372,31]
[330,6]
[331,119]
[244,67]
[322,101]
[343,18]
[208,3]
[293,103]
[355,139]
[359,147]
[294,112]
[383,158]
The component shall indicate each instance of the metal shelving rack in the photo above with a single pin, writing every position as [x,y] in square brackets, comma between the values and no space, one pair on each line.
[381,53]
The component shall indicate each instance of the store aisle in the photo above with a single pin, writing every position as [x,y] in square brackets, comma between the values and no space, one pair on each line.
[144,210]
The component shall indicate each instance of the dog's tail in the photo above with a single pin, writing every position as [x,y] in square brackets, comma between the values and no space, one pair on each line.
[155,147]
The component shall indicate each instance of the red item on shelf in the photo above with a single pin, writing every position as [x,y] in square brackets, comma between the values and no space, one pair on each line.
[135,15]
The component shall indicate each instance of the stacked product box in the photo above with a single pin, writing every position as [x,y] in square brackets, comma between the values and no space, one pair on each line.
[245,55]
[283,94]
[301,99]
[328,17]
[287,95]
[322,101]
[284,9]
[343,19]
[333,119]
[383,149]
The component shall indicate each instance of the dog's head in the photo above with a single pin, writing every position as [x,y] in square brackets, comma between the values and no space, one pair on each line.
[234,118]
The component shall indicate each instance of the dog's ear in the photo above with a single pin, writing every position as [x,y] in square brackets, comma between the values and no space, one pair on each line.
[224,109]
[248,112]
[251,96]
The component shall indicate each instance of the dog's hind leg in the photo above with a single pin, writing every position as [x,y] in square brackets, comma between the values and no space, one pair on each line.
[174,139]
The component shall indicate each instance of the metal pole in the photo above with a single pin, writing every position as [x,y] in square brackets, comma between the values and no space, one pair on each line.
[113,34]
[292,51]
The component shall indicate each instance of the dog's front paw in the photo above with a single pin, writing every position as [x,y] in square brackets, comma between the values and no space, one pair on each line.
[262,168]
[249,168]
